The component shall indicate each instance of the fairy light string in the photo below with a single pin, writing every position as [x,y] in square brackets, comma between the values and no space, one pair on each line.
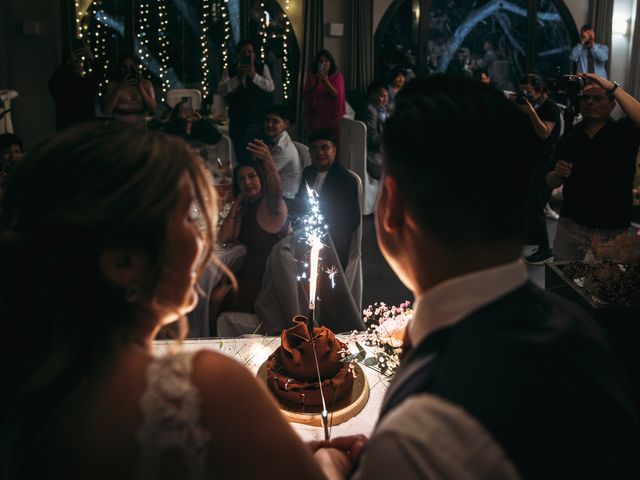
[163,38]
[204,47]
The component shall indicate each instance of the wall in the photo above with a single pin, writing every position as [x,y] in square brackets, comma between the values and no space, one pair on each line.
[27,62]
[339,11]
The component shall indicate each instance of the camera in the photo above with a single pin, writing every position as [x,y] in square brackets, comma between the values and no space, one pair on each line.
[570,85]
[522,97]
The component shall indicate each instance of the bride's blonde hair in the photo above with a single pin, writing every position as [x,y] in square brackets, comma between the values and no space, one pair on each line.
[86,189]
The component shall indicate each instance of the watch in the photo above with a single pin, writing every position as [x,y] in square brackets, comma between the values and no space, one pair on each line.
[614,88]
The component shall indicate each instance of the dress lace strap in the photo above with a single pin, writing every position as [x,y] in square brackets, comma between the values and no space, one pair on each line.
[171,407]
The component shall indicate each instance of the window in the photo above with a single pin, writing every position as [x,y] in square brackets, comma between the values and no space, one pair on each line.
[169,40]
[508,37]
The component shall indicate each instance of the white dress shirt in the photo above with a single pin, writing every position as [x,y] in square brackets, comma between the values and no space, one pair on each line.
[263,81]
[287,160]
[426,436]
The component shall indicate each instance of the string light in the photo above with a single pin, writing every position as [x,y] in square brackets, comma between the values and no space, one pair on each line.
[163,38]
[204,41]
[100,51]
[143,35]
[286,81]
[263,31]
[224,12]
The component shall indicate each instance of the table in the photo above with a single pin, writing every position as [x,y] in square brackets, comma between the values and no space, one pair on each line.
[253,351]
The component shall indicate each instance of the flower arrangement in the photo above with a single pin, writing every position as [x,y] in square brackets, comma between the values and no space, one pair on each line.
[384,335]
[610,273]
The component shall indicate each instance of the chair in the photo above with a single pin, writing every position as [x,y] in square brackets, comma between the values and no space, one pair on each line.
[222,150]
[353,272]
[6,125]
[303,152]
[353,155]
[175,96]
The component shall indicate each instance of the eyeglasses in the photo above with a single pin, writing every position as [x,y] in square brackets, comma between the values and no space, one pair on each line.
[325,147]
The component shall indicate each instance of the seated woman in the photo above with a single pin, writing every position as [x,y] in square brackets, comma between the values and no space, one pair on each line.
[130,97]
[258,220]
[93,265]
[189,124]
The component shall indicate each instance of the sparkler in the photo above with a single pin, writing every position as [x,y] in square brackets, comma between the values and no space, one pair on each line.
[314,233]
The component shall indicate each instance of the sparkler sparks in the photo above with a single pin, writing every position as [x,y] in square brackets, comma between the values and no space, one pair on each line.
[332,272]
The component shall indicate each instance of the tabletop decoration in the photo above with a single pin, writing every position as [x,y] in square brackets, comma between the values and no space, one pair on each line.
[384,336]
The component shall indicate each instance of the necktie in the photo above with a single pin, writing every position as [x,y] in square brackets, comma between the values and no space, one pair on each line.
[590,64]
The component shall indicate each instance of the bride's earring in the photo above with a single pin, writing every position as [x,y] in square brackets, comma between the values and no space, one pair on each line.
[133,293]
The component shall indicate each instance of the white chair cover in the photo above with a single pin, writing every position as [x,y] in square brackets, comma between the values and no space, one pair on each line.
[303,152]
[175,96]
[353,272]
[353,155]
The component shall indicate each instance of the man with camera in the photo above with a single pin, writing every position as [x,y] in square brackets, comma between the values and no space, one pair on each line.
[589,56]
[544,116]
[247,87]
[596,166]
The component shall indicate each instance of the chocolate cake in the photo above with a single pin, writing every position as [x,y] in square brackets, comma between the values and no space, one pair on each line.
[291,370]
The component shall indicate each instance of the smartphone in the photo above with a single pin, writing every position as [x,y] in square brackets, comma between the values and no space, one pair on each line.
[246,60]
[320,67]
[133,78]
[186,105]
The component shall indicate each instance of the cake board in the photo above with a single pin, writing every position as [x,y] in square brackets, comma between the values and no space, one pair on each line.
[339,412]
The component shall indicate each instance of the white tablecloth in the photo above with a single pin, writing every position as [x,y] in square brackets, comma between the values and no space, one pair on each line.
[252,352]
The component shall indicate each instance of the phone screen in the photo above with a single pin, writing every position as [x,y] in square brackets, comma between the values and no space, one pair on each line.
[187,105]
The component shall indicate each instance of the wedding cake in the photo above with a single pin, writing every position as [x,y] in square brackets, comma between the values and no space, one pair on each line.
[292,374]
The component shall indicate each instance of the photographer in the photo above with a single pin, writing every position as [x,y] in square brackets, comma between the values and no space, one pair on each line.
[589,56]
[247,88]
[130,97]
[596,166]
[544,115]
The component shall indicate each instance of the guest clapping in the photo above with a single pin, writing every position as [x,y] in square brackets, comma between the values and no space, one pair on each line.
[130,97]
[324,95]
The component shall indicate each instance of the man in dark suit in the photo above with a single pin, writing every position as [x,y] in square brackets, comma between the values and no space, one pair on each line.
[337,189]
[247,87]
[504,380]
[374,114]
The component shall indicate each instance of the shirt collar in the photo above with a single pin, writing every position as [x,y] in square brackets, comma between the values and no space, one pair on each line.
[281,140]
[452,300]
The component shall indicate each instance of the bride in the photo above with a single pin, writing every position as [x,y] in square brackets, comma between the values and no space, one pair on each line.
[100,248]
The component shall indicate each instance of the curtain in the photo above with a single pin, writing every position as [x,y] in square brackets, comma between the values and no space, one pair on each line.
[313,33]
[361,45]
[634,70]
[601,17]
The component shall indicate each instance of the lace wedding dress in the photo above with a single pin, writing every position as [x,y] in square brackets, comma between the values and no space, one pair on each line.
[171,408]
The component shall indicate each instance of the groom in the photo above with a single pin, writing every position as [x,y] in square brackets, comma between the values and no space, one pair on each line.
[504,380]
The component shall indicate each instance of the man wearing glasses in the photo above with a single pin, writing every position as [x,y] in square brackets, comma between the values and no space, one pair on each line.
[337,189]
[596,166]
